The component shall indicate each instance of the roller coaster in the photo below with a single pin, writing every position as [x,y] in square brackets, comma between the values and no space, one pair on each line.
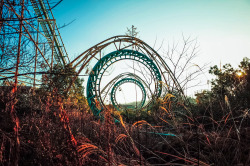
[119,48]
[164,79]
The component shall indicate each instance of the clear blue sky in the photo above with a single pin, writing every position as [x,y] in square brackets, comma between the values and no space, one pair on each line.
[222,27]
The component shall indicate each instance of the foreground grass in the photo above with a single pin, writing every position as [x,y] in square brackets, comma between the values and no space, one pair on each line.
[56,132]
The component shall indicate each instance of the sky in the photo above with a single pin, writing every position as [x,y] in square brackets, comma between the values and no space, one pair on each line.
[221,27]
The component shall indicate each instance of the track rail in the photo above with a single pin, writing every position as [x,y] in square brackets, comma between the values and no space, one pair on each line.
[121,44]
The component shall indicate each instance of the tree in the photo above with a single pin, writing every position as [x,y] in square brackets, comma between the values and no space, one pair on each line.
[230,92]
[180,57]
[233,83]
[59,79]
[132,32]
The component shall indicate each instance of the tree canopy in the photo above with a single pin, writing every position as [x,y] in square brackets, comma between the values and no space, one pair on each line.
[59,79]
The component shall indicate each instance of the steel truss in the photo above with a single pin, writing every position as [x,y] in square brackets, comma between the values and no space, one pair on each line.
[140,51]
[40,30]
[41,45]
[123,81]
[93,85]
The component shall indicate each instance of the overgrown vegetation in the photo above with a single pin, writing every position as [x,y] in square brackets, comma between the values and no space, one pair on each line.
[55,130]
[58,81]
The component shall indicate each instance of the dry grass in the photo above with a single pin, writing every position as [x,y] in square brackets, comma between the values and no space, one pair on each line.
[55,132]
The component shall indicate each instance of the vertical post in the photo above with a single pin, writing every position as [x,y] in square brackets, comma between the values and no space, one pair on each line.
[1,13]
[53,47]
[19,47]
[34,83]
[1,25]
[13,115]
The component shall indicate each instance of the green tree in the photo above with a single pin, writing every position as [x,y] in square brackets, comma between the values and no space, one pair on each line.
[230,92]
[58,80]
[232,83]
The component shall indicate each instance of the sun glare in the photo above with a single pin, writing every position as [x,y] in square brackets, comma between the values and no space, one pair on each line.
[239,74]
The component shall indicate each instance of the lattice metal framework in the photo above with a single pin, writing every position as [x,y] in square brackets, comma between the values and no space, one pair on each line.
[123,81]
[32,26]
[93,85]
[50,29]
[126,75]
[140,51]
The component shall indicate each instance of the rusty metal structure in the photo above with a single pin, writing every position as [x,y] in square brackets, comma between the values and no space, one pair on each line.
[30,41]
[123,48]
[31,44]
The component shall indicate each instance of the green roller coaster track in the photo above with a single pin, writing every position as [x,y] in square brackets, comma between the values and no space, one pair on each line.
[93,85]
[106,89]
[127,80]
